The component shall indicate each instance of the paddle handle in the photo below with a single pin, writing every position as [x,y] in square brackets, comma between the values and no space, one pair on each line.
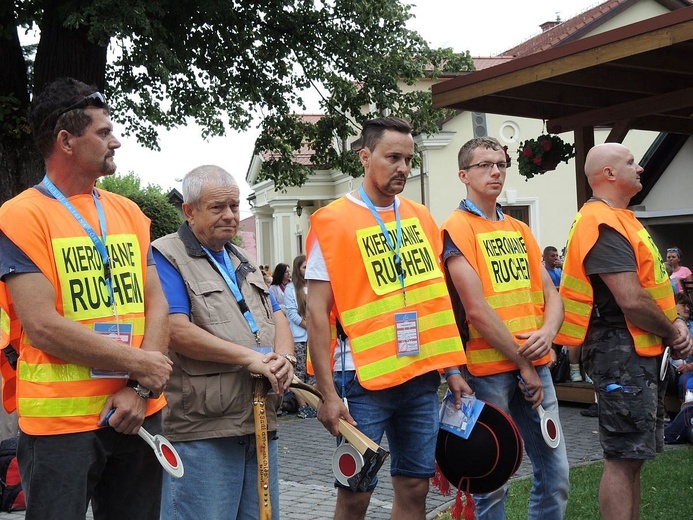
[360,441]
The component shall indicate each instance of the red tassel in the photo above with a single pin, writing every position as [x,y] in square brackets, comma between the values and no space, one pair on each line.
[469,507]
[440,482]
[456,510]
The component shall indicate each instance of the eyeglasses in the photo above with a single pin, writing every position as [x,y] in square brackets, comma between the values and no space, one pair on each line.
[486,166]
[92,100]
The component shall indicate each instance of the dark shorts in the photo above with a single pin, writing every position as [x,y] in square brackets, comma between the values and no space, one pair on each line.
[119,473]
[630,396]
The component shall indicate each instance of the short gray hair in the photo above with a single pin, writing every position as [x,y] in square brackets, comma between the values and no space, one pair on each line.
[204,176]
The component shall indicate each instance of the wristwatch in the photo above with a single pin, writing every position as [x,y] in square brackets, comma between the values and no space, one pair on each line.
[144,393]
[291,359]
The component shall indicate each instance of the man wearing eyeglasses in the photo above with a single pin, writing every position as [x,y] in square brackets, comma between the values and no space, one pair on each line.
[513,313]
[620,305]
[78,278]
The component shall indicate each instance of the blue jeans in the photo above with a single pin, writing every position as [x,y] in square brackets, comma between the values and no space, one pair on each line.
[220,480]
[549,496]
[407,413]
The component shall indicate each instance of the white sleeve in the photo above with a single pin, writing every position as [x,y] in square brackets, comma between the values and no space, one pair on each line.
[316,269]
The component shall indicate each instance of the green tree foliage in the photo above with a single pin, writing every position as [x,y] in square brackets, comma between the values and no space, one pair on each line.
[151,200]
[220,63]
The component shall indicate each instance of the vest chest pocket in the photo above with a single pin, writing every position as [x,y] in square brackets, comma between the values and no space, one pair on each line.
[208,299]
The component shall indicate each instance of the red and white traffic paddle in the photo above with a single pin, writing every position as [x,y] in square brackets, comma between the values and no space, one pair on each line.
[550,426]
[356,462]
[165,453]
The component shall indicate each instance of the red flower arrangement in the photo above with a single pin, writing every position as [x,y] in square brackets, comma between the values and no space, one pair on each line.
[537,156]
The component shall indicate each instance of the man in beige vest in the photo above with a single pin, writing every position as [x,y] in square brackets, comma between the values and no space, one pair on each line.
[224,328]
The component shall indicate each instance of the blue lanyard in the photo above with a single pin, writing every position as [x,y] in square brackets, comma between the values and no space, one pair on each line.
[234,289]
[396,250]
[99,242]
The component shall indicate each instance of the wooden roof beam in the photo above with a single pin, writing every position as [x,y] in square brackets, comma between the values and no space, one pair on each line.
[632,109]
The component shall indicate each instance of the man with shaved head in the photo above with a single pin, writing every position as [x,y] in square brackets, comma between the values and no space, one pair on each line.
[619,302]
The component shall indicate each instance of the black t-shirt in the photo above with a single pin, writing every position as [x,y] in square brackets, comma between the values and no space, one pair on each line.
[612,253]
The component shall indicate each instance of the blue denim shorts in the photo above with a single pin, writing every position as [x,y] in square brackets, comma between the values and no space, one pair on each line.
[407,414]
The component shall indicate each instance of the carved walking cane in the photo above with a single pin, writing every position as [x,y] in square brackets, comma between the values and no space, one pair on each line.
[260,387]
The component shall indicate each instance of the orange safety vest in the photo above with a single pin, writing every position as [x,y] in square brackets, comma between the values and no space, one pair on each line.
[507,259]
[576,289]
[10,330]
[53,396]
[368,294]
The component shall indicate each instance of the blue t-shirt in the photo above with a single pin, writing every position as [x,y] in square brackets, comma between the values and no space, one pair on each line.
[555,275]
[174,285]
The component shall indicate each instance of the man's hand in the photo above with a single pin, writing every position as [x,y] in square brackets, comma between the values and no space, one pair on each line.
[458,387]
[153,370]
[538,344]
[532,389]
[281,370]
[681,343]
[129,411]
[331,410]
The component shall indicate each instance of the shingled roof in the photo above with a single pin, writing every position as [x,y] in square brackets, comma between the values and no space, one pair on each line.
[578,26]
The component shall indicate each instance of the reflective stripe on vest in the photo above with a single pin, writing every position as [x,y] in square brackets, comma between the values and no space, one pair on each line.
[506,258]
[368,295]
[576,290]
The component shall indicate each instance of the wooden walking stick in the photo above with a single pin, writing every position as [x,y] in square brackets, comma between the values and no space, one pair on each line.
[260,387]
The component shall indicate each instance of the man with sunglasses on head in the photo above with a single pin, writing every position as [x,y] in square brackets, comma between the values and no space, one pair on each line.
[513,313]
[78,276]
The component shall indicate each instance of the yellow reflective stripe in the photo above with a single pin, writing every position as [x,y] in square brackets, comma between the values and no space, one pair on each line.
[488,355]
[513,325]
[4,321]
[393,303]
[660,291]
[572,330]
[514,298]
[576,284]
[575,307]
[646,340]
[393,363]
[670,313]
[387,334]
[60,406]
[52,373]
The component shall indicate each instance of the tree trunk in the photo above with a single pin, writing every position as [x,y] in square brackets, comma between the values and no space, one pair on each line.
[61,52]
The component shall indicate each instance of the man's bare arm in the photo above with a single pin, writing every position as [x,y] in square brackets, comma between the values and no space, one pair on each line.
[34,299]
[320,302]
[491,327]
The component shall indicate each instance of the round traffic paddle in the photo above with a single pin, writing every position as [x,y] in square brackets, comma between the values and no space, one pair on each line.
[165,453]
[346,462]
[550,426]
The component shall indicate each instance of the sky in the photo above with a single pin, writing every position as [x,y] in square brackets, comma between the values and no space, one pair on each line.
[461,24]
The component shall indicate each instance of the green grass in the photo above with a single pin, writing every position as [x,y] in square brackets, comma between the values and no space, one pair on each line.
[667,490]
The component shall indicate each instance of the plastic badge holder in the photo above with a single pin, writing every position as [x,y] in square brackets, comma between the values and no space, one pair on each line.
[460,422]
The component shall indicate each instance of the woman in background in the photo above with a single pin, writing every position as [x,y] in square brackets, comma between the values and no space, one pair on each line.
[280,279]
[678,272]
[295,299]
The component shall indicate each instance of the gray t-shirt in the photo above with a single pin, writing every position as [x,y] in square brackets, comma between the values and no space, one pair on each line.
[612,253]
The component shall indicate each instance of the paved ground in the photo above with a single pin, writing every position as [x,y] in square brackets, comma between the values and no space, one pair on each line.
[305,450]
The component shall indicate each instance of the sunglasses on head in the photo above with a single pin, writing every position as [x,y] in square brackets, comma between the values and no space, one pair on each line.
[92,100]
